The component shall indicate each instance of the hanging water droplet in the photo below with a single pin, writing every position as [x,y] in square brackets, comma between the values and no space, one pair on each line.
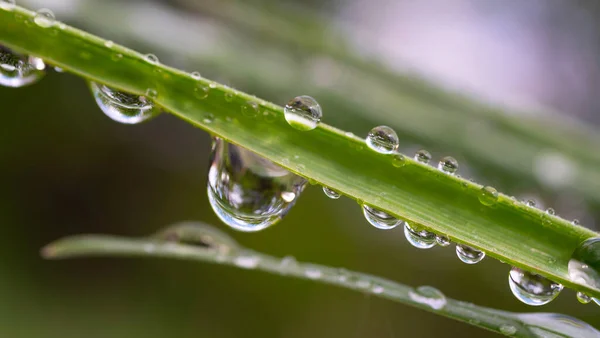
[250,109]
[7,4]
[44,18]
[18,70]
[123,107]
[303,113]
[442,240]
[249,192]
[423,156]
[419,238]
[379,219]
[584,265]
[488,196]
[383,139]
[331,193]
[532,289]
[469,255]
[583,298]
[429,296]
[151,58]
[196,75]
[550,211]
[448,165]
[398,160]
[201,92]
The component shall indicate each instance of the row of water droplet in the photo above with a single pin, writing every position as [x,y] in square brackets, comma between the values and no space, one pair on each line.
[251,193]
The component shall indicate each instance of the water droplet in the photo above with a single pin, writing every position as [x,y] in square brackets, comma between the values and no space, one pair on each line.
[109,44]
[331,193]
[550,211]
[419,238]
[151,58]
[469,255]
[530,203]
[228,97]
[249,192]
[575,222]
[58,69]
[584,265]
[201,92]
[377,289]
[116,57]
[488,196]
[423,156]
[246,260]
[7,4]
[208,118]
[151,93]
[532,289]
[399,160]
[448,165]
[583,298]
[380,219]
[429,296]
[44,18]
[250,109]
[196,75]
[313,273]
[123,107]
[303,113]
[18,70]
[507,329]
[363,284]
[442,240]
[383,139]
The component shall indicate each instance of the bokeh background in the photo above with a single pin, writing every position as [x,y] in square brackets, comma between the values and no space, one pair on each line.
[68,169]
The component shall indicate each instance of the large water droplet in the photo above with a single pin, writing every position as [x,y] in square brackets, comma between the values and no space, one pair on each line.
[7,4]
[584,265]
[583,298]
[531,288]
[429,296]
[383,139]
[448,165]
[44,18]
[423,156]
[469,255]
[123,107]
[18,70]
[249,192]
[419,238]
[303,113]
[488,196]
[331,193]
[379,219]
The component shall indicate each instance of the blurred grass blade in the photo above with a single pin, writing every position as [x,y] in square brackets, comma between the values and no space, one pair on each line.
[508,230]
[218,248]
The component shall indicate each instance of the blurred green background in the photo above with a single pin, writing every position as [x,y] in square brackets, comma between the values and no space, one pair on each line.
[69,169]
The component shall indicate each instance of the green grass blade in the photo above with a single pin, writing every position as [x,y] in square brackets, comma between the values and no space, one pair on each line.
[194,241]
[509,231]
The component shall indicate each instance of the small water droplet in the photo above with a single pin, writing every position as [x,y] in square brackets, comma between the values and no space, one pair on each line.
[7,4]
[583,298]
[208,118]
[398,160]
[442,240]
[313,273]
[247,191]
[44,18]
[116,57]
[380,219]
[448,165]
[377,289]
[488,196]
[532,289]
[575,222]
[123,107]
[584,265]
[550,211]
[507,329]
[383,139]
[228,97]
[469,255]
[303,113]
[18,70]
[246,260]
[196,75]
[429,296]
[530,203]
[419,238]
[287,264]
[109,44]
[250,109]
[423,156]
[151,93]
[58,69]
[151,58]
[331,193]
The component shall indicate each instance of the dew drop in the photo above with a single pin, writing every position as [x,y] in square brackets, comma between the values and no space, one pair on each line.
[377,289]
[488,196]
[208,118]
[399,160]
[151,58]
[423,156]
[469,255]
[246,261]
[383,139]
[507,329]
[448,165]
[228,97]
[116,57]
[303,113]
[7,4]
[44,18]
[59,70]
[196,75]
[530,203]
[109,44]
[331,193]
[379,219]
[249,192]
[429,296]
[250,109]
[583,298]
[575,222]
[313,273]
[123,107]
[151,93]
[532,289]
[201,92]
[442,240]
[584,265]
[550,212]
[18,70]
[420,239]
